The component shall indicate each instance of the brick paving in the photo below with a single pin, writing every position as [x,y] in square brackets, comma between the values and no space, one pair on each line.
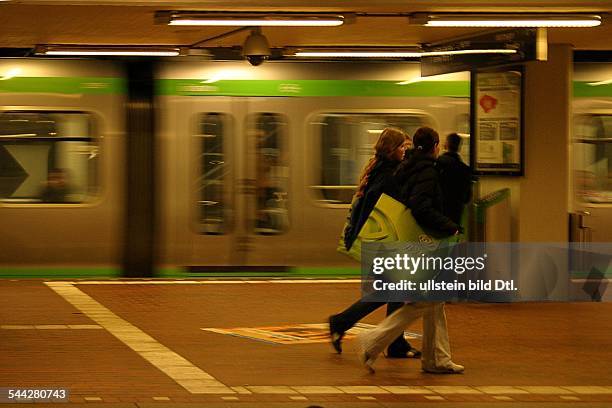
[509,345]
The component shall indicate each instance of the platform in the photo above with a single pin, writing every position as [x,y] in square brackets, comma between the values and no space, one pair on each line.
[263,343]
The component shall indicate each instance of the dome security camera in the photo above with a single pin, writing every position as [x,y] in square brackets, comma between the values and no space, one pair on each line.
[256,49]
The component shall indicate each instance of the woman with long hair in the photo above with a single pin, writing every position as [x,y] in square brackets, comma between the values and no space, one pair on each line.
[376,178]
[419,189]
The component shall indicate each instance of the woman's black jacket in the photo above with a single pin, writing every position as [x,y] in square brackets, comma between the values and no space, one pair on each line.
[418,187]
[380,180]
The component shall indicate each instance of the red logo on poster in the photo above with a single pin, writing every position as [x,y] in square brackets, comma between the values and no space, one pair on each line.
[488,103]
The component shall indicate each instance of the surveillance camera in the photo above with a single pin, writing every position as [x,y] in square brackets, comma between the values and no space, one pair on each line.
[256,49]
[256,60]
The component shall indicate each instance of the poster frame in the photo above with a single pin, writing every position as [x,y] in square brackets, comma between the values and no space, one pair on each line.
[474,144]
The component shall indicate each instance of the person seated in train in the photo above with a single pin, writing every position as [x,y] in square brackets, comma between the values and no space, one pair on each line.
[420,190]
[56,189]
[389,152]
[455,179]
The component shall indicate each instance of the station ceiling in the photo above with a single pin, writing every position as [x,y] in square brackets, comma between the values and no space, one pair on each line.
[25,23]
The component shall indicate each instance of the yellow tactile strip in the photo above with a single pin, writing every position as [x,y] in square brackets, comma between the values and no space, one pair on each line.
[431,390]
[189,376]
[495,392]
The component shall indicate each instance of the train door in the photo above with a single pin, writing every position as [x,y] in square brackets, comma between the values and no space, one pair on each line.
[592,173]
[201,154]
[265,173]
[225,182]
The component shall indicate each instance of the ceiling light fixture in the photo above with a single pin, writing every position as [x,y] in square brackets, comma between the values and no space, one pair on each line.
[598,83]
[11,73]
[103,50]
[505,20]
[391,53]
[357,54]
[468,52]
[353,52]
[185,18]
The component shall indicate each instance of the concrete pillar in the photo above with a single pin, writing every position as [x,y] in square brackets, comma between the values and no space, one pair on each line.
[543,202]
[139,235]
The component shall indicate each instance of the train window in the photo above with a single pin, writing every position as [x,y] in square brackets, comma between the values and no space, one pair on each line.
[593,158]
[346,144]
[47,157]
[268,133]
[213,209]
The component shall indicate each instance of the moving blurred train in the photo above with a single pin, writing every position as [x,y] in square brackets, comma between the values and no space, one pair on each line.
[254,166]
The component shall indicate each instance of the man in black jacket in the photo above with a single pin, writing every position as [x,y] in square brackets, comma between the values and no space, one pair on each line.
[420,189]
[455,179]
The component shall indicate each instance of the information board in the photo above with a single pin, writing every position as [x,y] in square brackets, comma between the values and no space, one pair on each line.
[498,126]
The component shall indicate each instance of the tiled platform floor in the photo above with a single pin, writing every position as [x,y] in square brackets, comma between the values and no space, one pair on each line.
[141,344]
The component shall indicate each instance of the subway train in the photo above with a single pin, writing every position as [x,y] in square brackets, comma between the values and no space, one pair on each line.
[591,151]
[255,166]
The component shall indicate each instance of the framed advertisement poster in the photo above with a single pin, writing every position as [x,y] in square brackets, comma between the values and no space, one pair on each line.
[497,112]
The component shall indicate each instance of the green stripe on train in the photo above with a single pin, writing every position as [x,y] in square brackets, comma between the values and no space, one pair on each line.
[582,89]
[180,273]
[196,87]
[64,85]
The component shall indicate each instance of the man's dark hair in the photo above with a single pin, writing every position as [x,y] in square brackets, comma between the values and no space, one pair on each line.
[453,141]
[425,139]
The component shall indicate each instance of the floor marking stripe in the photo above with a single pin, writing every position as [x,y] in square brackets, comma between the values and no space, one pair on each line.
[534,389]
[406,389]
[271,389]
[501,390]
[363,389]
[317,389]
[241,390]
[452,389]
[585,389]
[440,390]
[190,377]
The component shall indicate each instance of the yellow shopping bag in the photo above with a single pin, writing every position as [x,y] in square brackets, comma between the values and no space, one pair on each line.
[391,221]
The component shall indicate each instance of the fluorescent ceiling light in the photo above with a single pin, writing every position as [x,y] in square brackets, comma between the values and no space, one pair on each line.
[506,20]
[467,52]
[11,73]
[246,19]
[411,81]
[605,82]
[358,54]
[392,54]
[71,50]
